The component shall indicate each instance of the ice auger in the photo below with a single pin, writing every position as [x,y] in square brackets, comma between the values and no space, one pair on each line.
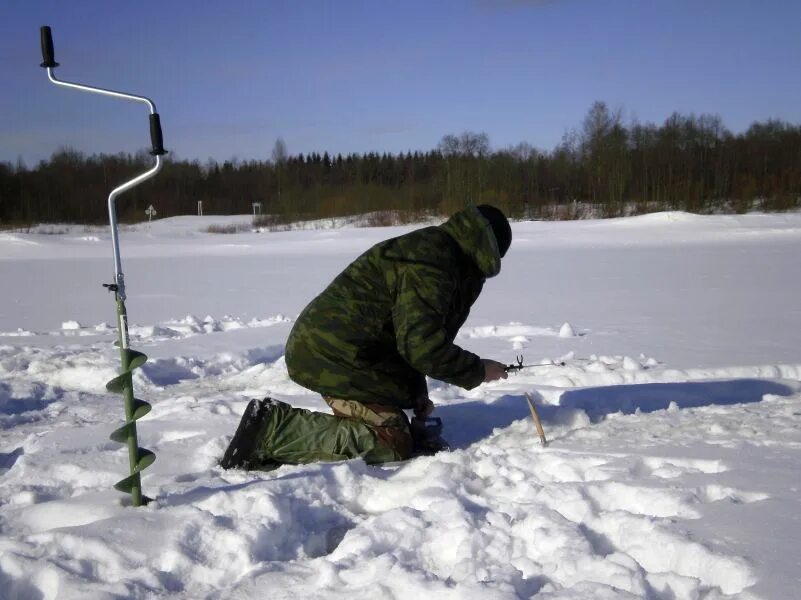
[138,458]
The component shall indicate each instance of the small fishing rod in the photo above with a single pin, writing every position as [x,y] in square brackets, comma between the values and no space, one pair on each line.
[520,366]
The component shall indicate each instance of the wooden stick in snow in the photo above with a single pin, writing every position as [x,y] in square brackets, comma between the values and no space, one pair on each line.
[536,418]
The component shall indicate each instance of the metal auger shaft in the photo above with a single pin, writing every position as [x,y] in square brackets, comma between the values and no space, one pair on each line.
[138,458]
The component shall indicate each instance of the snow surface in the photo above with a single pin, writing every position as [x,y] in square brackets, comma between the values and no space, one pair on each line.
[669,395]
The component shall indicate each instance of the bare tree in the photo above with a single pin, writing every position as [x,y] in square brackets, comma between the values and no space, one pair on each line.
[279,152]
[279,159]
[474,144]
[523,151]
[449,145]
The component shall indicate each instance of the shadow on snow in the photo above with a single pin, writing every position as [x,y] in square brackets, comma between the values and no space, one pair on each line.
[470,422]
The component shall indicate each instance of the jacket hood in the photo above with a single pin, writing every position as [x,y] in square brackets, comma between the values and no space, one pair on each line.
[474,235]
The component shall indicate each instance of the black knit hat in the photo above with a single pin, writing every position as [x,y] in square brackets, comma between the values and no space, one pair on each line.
[499,224]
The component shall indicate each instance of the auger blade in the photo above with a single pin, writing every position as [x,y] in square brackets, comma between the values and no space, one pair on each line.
[121,435]
[126,485]
[146,458]
[119,383]
[141,408]
[135,359]
[136,408]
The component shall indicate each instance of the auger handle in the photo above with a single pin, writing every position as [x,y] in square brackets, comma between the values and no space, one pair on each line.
[156,138]
[48,54]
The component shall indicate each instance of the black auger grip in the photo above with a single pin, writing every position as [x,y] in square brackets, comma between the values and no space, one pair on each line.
[156,138]
[48,55]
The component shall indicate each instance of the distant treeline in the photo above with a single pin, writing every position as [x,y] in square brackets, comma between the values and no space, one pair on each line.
[603,168]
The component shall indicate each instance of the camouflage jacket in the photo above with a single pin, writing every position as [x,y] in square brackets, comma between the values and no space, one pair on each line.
[390,318]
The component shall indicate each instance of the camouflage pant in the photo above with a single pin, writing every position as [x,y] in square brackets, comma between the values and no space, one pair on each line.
[374,432]
[389,423]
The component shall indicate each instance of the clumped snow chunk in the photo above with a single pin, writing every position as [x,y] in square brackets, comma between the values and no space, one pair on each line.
[20,332]
[631,364]
[567,331]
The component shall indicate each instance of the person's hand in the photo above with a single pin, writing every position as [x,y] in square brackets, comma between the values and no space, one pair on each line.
[424,408]
[493,370]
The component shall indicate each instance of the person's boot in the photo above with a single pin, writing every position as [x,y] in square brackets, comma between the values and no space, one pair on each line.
[427,436]
[241,450]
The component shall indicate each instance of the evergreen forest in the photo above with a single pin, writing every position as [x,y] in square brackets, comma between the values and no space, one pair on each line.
[603,168]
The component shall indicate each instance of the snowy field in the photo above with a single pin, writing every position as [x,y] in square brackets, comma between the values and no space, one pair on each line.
[673,469]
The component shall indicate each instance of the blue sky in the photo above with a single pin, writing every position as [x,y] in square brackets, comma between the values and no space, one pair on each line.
[344,76]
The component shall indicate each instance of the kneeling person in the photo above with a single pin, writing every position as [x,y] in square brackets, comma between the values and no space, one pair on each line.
[368,341]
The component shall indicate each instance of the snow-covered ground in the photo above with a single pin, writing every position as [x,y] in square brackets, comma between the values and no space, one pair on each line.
[673,469]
